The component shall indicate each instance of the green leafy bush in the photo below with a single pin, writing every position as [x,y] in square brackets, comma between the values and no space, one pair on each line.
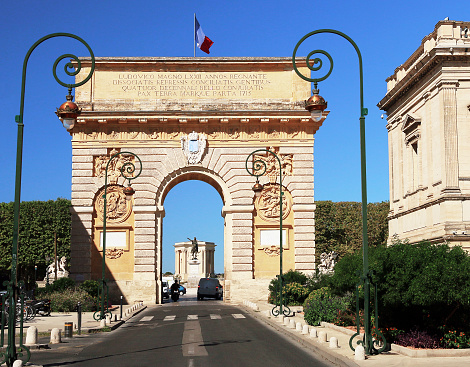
[322,305]
[423,285]
[294,291]
[455,339]
[92,287]
[293,294]
[60,285]
[67,301]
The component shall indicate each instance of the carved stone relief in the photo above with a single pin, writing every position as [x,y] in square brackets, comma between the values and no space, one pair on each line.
[272,164]
[118,208]
[194,146]
[114,253]
[267,205]
[114,168]
[272,251]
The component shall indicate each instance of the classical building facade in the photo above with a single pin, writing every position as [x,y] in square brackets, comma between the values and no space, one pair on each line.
[428,108]
[192,119]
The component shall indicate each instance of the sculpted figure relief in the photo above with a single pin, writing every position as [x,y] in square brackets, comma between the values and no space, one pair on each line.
[118,208]
[267,205]
[327,262]
[114,169]
[272,164]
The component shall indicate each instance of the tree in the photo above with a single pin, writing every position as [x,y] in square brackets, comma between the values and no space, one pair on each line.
[41,223]
[338,226]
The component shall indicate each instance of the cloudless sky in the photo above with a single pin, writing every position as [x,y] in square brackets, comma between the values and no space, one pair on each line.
[386,32]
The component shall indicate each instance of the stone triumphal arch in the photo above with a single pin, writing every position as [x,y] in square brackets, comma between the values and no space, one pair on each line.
[186,119]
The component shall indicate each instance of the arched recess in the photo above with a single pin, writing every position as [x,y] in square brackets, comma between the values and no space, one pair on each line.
[171,180]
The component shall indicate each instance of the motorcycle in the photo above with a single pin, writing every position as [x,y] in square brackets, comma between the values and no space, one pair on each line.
[41,307]
[175,295]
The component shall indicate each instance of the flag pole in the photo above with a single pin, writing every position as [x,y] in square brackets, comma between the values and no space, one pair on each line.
[194,38]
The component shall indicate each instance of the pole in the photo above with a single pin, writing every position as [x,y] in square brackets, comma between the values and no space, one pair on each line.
[127,171]
[194,38]
[55,256]
[11,353]
[258,169]
[366,276]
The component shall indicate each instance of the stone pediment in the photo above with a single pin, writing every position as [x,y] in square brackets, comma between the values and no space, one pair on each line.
[411,128]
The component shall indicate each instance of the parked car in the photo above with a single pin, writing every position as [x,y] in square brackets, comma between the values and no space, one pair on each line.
[209,287]
[182,290]
[165,290]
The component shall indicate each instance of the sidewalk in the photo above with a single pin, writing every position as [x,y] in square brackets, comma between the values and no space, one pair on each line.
[58,319]
[344,356]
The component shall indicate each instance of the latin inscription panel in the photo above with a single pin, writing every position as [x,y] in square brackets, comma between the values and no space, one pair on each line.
[193,85]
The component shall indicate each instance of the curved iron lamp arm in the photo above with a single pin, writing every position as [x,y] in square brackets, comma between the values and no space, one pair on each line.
[10,354]
[258,168]
[366,278]
[127,171]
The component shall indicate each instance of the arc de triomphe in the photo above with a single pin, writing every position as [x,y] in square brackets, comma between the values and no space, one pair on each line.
[192,119]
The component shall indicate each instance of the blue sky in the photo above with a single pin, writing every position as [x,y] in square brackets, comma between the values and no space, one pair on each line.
[386,33]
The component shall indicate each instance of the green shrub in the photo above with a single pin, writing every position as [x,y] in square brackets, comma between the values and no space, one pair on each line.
[60,285]
[422,285]
[322,305]
[92,287]
[67,301]
[293,294]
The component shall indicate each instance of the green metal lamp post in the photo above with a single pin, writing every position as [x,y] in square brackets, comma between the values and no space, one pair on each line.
[127,170]
[258,168]
[316,104]
[68,115]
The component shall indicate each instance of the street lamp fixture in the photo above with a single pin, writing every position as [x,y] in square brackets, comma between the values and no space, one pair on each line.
[258,168]
[315,104]
[257,188]
[11,354]
[68,112]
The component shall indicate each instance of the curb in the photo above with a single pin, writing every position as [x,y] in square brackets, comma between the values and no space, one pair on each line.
[323,352]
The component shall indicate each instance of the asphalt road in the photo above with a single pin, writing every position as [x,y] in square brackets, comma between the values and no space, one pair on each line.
[185,334]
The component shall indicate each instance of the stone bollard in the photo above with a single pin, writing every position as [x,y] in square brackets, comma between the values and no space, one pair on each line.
[108,319]
[55,336]
[267,313]
[322,337]
[305,330]
[256,308]
[32,335]
[359,353]
[103,323]
[333,343]
[298,326]
[286,321]
[18,363]
[313,333]
[292,324]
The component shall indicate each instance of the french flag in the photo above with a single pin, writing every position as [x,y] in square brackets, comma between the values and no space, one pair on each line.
[202,41]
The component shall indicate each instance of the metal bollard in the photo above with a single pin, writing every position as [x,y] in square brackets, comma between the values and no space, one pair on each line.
[79,318]
[121,309]
[68,330]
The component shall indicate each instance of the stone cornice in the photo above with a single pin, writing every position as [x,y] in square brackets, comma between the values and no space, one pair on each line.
[448,197]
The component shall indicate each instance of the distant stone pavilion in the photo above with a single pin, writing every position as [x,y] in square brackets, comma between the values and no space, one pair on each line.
[205,260]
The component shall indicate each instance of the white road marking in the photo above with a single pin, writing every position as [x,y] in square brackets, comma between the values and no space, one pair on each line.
[215,317]
[191,363]
[193,342]
[193,317]
[146,318]
[238,316]
[169,318]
